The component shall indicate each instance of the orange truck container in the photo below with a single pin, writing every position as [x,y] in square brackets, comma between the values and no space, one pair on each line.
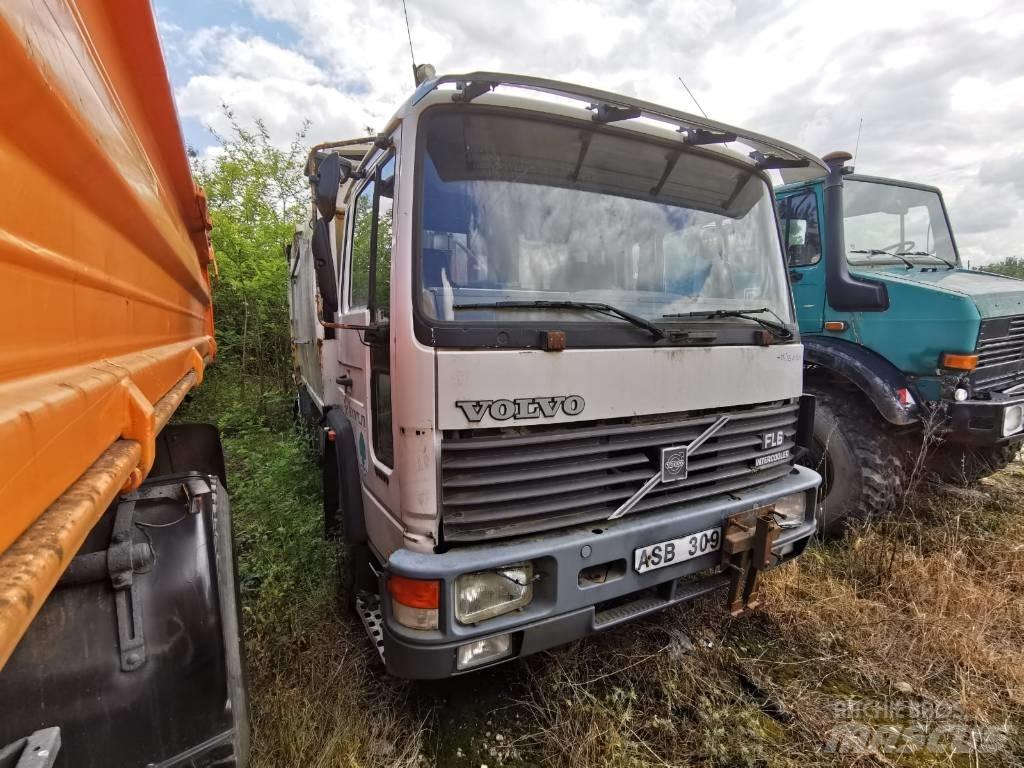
[107,323]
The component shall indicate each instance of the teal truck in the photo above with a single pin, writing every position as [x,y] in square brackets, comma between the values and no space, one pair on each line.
[908,354]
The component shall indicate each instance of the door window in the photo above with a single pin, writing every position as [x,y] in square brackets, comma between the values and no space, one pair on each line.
[371,288]
[385,183]
[801,234]
[362,240]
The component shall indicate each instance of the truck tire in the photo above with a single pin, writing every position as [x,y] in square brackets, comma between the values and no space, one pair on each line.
[967,464]
[330,474]
[860,461]
[350,554]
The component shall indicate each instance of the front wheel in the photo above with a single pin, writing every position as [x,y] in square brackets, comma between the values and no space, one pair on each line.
[858,458]
[967,464]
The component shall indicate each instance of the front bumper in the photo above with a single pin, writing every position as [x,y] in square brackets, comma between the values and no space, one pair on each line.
[980,422]
[562,609]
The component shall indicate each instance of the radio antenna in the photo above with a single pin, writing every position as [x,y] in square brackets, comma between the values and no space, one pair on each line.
[687,90]
[857,145]
[408,33]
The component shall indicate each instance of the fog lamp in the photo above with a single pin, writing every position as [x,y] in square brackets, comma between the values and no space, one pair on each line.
[959,394]
[790,511]
[1013,419]
[486,594]
[482,651]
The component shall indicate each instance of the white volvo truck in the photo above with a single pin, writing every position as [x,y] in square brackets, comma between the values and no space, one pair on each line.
[548,335]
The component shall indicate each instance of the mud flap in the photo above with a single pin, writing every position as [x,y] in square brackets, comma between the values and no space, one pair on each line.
[136,656]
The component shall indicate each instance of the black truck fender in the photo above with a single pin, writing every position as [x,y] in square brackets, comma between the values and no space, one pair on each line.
[345,516]
[137,656]
[872,374]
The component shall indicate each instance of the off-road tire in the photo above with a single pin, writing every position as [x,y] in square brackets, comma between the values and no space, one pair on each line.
[862,465]
[967,464]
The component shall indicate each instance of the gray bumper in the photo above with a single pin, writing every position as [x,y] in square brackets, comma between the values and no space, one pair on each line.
[562,610]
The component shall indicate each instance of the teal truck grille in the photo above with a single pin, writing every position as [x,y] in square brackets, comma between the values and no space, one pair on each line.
[1000,354]
[509,482]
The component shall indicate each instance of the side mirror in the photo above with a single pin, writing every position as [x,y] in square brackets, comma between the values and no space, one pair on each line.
[323,268]
[331,172]
[844,291]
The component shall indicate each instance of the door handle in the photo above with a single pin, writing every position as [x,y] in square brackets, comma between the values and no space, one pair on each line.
[795,277]
[344,381]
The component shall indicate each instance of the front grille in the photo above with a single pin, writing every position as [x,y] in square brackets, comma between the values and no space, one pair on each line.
[509,482]
[1000,354]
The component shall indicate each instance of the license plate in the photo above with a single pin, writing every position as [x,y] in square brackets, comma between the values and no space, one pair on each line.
[675,551]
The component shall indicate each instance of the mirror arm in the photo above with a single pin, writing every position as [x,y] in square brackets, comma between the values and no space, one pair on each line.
[372,327]
[344,326]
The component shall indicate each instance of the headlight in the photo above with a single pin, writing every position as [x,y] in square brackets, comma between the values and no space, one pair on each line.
[486,594]
[1013,419]
[791,510]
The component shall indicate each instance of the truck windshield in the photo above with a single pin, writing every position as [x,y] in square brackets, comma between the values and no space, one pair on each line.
[893,224]
[524,209]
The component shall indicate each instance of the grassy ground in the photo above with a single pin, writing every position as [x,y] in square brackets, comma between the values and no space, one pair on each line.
[915,623]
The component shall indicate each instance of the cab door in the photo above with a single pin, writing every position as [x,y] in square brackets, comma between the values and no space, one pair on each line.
[365,379]
[800,219]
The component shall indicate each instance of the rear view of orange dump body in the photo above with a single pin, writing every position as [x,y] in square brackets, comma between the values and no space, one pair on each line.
[106,314]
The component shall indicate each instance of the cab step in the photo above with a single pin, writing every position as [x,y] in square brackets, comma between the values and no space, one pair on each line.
[368,608]
[654,598]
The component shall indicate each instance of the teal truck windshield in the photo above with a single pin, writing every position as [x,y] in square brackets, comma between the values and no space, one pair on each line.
[519,209]
[890,223]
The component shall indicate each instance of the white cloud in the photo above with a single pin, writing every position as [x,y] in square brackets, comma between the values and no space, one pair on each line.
[938,85]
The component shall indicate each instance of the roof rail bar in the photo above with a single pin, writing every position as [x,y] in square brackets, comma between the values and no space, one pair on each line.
[794,163]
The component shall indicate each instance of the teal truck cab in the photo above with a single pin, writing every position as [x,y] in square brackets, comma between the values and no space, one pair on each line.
[907,353]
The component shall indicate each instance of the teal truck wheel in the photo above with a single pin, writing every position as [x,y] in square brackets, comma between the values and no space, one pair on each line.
[860,462]
[968,464]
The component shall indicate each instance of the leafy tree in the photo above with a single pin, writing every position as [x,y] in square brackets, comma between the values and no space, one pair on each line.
[1012,267]
[257,193]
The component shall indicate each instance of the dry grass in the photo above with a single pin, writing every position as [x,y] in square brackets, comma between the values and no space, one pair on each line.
[925,610]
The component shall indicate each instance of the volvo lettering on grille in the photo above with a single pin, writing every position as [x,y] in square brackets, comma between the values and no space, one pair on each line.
[521,407]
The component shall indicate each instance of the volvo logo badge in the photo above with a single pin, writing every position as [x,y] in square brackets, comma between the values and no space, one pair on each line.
[674,464]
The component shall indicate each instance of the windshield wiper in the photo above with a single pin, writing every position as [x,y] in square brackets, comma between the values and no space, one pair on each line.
[879,252]
[583,306]
[779,329]
[947,262]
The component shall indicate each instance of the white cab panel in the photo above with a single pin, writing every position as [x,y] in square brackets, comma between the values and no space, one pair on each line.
[613,383]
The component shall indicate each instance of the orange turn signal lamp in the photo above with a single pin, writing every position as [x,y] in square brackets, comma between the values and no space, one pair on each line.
[835,325]
[415,603]
[415,593]
[959,362]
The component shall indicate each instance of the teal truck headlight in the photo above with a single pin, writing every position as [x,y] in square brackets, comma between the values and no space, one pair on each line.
[486,594]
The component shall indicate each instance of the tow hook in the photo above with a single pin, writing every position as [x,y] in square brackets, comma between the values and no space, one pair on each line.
[746,551]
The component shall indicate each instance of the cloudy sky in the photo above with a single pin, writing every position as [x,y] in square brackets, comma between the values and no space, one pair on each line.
[939,85]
